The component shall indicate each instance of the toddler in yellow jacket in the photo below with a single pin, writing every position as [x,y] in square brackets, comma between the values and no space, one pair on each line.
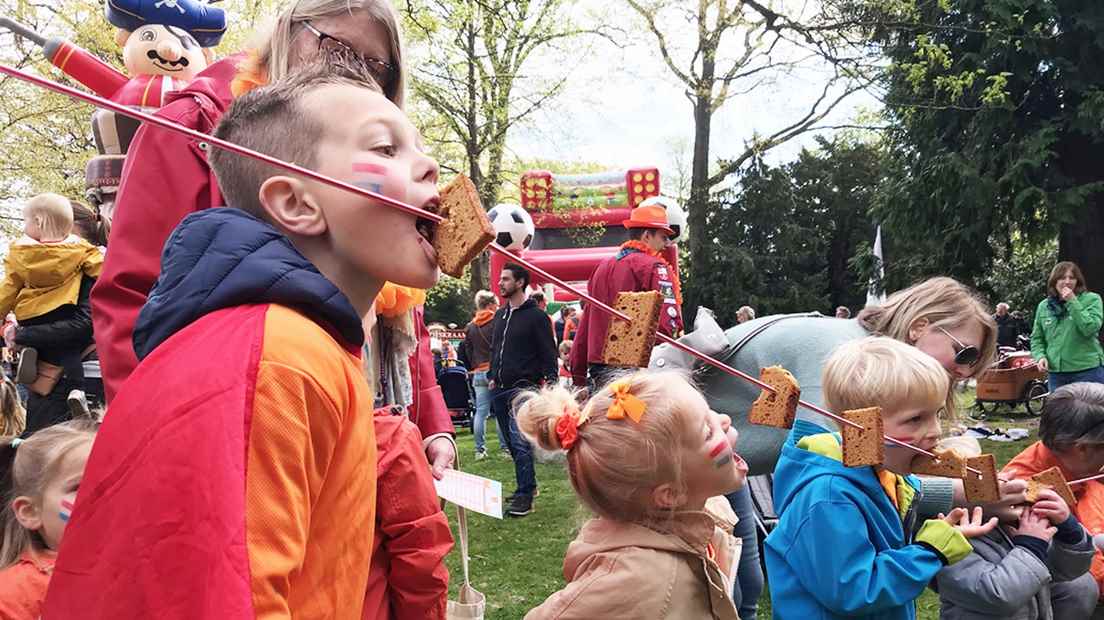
[44,271]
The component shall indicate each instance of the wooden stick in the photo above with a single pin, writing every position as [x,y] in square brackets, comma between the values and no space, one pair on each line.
[240,150]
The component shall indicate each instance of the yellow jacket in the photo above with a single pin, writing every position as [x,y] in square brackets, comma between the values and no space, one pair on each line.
[40,277]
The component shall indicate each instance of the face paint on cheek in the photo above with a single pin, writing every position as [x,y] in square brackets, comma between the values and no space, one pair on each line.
[720,454]
[369,176]
[66,510]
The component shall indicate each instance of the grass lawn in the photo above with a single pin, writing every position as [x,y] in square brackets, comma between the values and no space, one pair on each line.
[517,563]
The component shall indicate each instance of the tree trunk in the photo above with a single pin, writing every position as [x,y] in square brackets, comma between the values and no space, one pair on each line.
[698,206]
[1083,242]
[479,266]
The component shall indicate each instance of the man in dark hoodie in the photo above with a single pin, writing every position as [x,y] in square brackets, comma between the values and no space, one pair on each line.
[240,456]
[523,356]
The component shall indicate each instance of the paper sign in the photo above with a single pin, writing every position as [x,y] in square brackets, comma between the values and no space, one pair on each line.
[482,495]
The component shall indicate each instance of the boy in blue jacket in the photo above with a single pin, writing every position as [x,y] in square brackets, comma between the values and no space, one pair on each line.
[843,546]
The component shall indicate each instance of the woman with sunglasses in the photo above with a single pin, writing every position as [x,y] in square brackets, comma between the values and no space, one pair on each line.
[939,316]
[1066,336]
[166,177]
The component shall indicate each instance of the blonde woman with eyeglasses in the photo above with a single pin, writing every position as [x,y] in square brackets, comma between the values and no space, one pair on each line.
[167,177]
[940,316]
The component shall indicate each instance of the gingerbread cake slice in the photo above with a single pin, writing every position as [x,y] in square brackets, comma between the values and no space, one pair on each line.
[865,446]
[983,488]
[778,408]
[947,463]
[465,232]
[1050,479]
[629,343]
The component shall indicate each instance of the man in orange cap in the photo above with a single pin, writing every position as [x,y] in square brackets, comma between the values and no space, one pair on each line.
[637,266]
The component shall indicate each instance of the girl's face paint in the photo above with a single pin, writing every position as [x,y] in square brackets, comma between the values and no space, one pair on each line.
[66,510]
[721,453]
[60,494]
[710,464]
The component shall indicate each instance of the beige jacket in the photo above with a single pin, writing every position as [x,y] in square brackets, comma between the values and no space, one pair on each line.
[624,570]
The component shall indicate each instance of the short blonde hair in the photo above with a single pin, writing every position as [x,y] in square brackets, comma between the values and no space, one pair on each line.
[51,215]
[943,302]
[615,464]
[883,372]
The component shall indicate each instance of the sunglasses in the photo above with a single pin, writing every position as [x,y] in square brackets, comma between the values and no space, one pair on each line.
[964,355]
[383,72]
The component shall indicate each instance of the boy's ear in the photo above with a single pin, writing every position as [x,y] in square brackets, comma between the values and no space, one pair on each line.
[290,205]
[27,513]
[916,329]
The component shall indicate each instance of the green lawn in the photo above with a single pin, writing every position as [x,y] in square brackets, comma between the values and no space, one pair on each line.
[517,563]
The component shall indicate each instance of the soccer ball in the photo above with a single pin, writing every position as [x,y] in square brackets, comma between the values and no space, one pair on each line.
[513,225]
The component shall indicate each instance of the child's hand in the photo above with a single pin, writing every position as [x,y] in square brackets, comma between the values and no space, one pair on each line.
[1034,524]
[969,525]
[1051,506]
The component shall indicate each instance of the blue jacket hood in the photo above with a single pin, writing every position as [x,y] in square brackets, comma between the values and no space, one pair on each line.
[220,258]
[840,549]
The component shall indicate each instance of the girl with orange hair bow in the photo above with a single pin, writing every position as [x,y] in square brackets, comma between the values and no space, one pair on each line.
[650,459]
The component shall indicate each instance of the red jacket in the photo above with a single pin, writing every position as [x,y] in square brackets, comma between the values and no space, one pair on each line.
[408,579]
[628,271]
[236,475]
[166,177]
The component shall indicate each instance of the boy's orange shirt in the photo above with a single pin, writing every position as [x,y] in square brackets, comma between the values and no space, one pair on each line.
[235,478]
[1090,495]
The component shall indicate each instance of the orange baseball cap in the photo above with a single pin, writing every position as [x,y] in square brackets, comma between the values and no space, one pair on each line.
[652,216]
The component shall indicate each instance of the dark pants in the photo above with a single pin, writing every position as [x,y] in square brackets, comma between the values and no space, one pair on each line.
[502,401]
[749,575]
[43,411]
[1092,375]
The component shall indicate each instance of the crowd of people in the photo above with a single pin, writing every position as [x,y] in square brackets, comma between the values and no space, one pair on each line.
[273,426]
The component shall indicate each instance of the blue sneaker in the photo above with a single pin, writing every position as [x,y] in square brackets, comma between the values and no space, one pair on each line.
[204,22]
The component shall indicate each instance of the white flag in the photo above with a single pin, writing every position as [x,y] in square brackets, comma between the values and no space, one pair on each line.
[875,295]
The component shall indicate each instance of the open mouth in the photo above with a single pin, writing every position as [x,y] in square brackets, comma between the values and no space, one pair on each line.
[426,227]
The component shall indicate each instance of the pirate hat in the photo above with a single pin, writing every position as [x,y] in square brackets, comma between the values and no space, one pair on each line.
[204,22]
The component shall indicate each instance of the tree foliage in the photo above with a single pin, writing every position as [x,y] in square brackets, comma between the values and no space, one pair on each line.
[736,47]
[476,73]
[996,108]
[784,241]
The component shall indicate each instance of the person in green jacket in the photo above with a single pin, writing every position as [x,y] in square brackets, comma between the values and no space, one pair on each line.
[1065,339]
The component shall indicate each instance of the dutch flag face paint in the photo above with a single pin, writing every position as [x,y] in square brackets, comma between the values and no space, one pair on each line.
[66,510]
[369,176]
[721,454]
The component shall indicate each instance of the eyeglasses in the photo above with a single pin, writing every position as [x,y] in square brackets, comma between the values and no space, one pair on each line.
[383,72]
[964,355]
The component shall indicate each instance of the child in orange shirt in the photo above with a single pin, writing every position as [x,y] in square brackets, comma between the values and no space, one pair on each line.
[39,484]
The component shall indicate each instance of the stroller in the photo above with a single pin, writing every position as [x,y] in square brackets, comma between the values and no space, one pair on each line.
[459,397]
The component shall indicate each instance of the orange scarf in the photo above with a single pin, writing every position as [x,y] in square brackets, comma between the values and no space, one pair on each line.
[251,74]
[640,246]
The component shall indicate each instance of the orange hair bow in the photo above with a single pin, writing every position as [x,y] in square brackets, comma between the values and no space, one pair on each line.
[625,403]
[567,427]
